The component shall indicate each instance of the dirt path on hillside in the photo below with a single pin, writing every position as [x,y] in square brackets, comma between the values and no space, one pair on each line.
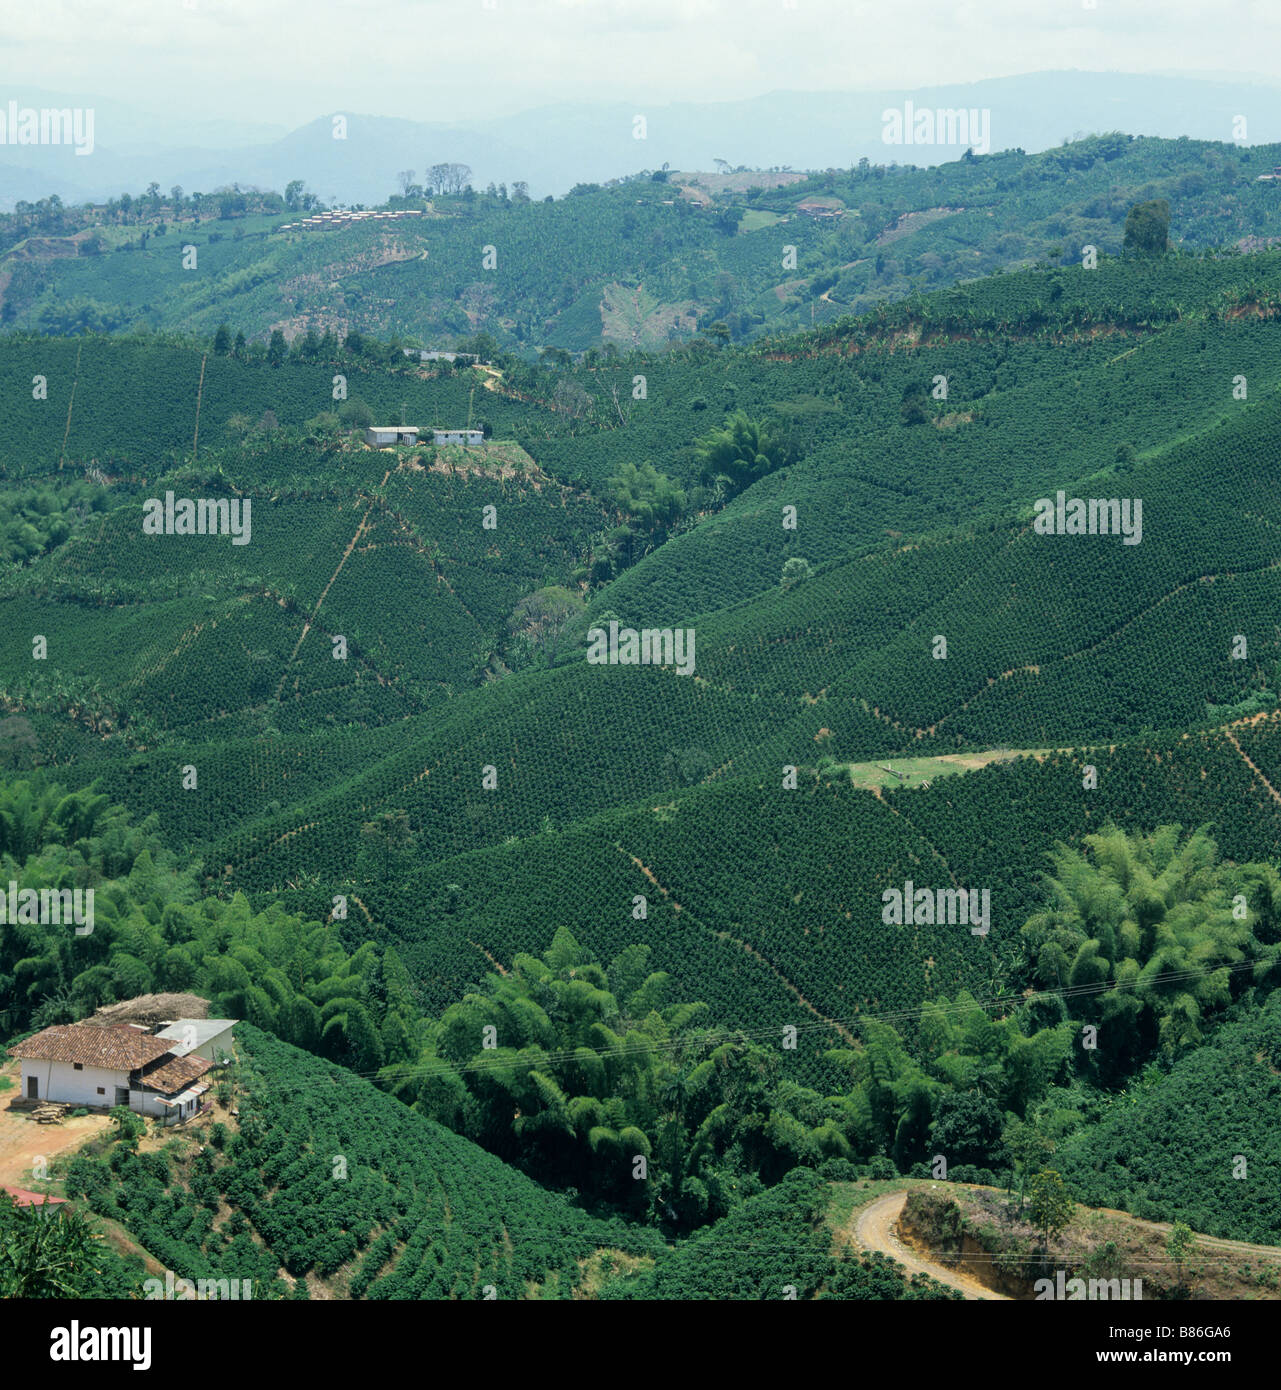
[876,1229]
[1232,739]
[1202,1242]
[23,1141]
[745,946]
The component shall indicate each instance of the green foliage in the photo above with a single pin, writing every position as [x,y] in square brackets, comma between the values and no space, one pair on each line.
[1050,1205]
[151,932]
[741,452]
[649,498]
[36,521]
[1028,1147]
[1162,921]
[1178,1245]
[342,878]
[874,1277]
[777,1245]
[1147,227]
[575,1082]
[58,1252]
[130,1127]
[330,1177]
[902,230]
[1200,1146]
[795,571]
[538,624]
[18,742]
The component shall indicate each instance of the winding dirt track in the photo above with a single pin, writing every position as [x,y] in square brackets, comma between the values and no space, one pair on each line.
[876,1230]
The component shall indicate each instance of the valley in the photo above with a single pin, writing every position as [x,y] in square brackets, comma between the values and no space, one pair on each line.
[712,738]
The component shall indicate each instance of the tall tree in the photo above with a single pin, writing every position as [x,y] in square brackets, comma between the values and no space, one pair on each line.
[1147,227]
[650,499]
[741,452]
[1051,1205]
[1143,930]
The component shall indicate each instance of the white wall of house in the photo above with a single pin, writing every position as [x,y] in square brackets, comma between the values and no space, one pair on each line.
[221,1042]
[187,1106]
[183,1032]
[147,1103]
[60,1081]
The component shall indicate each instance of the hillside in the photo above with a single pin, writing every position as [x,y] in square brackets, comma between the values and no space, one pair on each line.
[641,261]
[296,751]
[321,1186]
[976,1238]
[1173,1146]
[779,1244]
[608,948]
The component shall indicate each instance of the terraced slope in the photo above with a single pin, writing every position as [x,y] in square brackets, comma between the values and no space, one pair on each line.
[330,1182]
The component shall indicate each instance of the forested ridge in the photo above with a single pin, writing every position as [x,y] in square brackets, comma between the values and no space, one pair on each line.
[645,260]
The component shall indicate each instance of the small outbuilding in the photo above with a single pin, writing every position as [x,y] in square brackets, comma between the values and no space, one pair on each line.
[200,1037]
[21,1197]
[382,435]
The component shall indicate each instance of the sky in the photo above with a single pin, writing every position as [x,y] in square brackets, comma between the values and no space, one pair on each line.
[282,63]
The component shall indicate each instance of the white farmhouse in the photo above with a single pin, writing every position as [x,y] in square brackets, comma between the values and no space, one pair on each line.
[97,1066]
[464,437]
[436,355]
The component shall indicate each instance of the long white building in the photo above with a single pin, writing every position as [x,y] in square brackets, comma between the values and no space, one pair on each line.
[99,1066]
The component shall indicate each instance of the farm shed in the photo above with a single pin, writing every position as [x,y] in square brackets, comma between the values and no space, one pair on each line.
[380,435]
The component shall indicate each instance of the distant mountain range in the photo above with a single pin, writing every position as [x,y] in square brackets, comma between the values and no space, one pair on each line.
[554,147]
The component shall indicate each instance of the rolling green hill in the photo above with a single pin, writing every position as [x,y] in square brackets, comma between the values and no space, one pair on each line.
[1196,1145]
[639,263]
[324,1186]
[379,714]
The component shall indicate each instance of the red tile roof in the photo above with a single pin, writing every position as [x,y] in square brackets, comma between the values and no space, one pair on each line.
[120,1047]
[22,1198]
[175,1074]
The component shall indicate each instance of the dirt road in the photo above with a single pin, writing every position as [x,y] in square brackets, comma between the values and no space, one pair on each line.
[875,1230]
[23,1141]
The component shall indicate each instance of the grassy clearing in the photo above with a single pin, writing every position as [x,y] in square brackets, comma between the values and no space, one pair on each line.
[917,772]
[756,218]
[603,1266]
[630,315]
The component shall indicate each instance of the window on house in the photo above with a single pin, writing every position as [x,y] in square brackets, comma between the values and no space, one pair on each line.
[102,1090]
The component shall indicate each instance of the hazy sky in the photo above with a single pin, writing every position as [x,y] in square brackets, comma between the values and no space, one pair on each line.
[287,61]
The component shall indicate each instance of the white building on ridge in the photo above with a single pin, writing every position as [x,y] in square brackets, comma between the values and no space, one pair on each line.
[103,1065]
